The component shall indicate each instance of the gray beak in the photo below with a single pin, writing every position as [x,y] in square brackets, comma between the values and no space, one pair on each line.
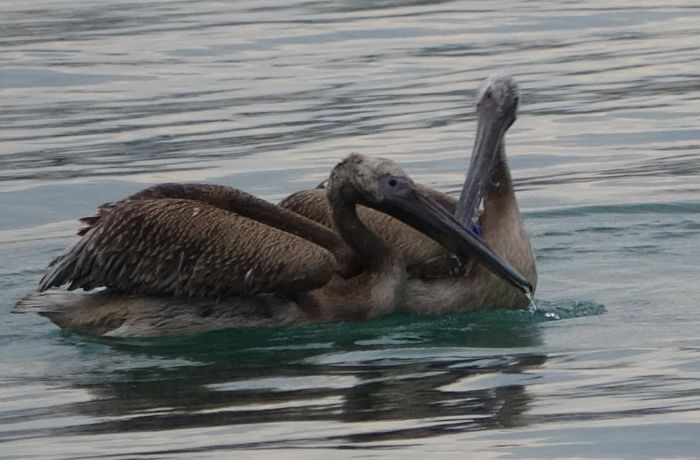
[408,204]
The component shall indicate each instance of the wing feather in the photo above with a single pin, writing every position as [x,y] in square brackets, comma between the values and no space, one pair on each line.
[183,247]
[246,205]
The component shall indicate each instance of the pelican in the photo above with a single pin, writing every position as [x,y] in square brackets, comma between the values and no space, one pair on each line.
[487,203]
[176,259]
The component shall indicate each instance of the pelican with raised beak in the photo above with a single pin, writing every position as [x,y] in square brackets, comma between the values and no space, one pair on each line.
[487,204]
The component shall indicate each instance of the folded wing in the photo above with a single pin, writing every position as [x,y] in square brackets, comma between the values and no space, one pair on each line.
[183,247]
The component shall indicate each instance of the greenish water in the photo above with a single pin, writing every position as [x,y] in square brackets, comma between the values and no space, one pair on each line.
[99,99]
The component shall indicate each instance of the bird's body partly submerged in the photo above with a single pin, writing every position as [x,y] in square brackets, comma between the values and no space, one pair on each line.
[117,314]
[180,259]
[487,201]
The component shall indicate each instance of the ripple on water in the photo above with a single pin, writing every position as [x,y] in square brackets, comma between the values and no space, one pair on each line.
[98,100]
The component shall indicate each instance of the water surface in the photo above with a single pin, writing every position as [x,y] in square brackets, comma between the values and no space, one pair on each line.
[101,98]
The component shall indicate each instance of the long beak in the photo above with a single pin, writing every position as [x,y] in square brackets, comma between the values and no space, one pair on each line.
[414,208]
[487,149]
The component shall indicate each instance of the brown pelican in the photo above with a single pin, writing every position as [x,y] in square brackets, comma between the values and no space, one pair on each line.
[181,260]
[487,202]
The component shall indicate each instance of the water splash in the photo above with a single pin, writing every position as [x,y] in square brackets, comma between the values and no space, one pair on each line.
[533,306]
[548,315]
[563,309]
[566,309]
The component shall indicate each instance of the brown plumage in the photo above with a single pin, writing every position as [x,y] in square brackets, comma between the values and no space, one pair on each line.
[189,252]
[423,256]
[488,200]
[187,248]
[199,240]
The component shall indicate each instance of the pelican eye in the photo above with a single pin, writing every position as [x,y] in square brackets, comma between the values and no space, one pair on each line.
[489,94]
[392,182]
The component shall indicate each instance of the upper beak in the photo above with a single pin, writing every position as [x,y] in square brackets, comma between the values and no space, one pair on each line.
[414,208]
[487,147]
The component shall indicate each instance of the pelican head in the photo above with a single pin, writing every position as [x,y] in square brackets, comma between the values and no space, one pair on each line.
[381,184]
[364,178]
[499,97]
[497,109]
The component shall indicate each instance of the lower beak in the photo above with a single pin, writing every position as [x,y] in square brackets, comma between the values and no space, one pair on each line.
[425,215]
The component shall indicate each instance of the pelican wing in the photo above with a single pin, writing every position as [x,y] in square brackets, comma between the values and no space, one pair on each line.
[221,196]
[312,204]
[252,207]
[172,246]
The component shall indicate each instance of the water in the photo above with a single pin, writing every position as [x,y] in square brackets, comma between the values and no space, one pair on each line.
[99,99]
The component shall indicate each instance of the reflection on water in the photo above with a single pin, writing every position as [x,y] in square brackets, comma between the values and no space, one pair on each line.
[352,393]
[99,98]
[386,371]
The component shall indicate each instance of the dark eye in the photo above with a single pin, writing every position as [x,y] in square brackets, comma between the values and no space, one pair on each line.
[392,182]
[488,94]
